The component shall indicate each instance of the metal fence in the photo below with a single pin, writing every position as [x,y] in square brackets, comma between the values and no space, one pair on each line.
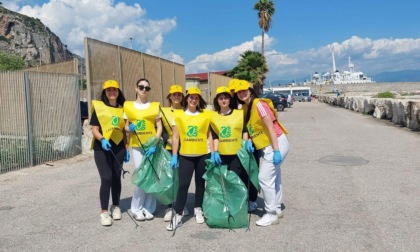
[40,118]
[106,61]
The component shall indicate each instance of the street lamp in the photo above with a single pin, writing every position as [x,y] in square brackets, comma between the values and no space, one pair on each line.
[131,42]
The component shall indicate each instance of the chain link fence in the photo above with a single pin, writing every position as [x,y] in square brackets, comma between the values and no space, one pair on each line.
[40,118]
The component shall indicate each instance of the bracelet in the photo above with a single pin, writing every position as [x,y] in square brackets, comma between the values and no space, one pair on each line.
[100,140]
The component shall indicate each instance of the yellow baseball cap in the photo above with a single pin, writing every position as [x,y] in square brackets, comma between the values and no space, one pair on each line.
[232,84]
[175,89]
[111,84]
[242,85]
[194,90]
[222,89]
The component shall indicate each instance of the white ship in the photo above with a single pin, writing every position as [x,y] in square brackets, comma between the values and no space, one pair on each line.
[340,77]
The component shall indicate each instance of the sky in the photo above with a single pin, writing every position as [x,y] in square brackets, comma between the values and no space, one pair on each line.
[206,36]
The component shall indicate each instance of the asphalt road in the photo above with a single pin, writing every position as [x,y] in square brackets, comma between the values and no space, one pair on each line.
[352,183]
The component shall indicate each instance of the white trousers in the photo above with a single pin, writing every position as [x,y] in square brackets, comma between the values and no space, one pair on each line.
[270,175]
[140,199]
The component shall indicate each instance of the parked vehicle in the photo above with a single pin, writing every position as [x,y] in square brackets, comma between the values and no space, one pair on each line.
[303,97]
[290,97]
[279,100]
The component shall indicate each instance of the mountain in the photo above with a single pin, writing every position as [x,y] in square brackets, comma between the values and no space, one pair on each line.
[30,39]
[398,76]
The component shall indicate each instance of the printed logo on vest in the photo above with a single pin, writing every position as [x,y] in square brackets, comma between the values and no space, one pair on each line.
[140,125]
[250,130]
[225,132]
[114,121]
[192,131]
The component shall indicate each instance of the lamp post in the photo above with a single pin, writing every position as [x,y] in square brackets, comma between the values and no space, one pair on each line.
[131,42]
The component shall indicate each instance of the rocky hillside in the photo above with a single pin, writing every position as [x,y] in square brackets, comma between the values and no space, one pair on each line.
[31,39]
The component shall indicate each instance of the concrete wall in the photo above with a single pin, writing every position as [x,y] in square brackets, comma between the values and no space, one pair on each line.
[399,87]
[405,112]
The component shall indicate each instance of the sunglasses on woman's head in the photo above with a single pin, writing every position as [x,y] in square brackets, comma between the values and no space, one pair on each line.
[141,87]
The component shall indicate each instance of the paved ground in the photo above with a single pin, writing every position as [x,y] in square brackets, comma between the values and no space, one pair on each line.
[352,183]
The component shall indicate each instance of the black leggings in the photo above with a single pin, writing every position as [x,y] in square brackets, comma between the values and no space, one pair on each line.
[187,166]
[235,165]
[110,173]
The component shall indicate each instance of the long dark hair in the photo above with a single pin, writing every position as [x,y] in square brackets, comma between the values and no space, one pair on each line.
[202,104]
[216,103]
[120,98]
[142,79]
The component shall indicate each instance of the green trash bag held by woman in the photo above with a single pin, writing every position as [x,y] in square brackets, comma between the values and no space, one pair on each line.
[225,198]
[156,176]
[250,164]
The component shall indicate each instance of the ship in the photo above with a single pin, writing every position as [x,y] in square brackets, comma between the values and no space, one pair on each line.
[340,77]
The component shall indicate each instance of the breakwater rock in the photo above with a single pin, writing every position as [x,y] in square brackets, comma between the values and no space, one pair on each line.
[405,112]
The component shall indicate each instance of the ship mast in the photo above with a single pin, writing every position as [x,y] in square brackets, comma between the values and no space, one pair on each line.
[351,66]
[333,58]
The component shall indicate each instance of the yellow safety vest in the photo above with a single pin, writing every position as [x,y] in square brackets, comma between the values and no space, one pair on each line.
[257,131]
[144,121]
[229,129]
[111,120]
[192,132]
[167,117]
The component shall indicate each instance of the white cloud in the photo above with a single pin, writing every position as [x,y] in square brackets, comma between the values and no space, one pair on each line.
[227,58]
[102,20]
[367,55]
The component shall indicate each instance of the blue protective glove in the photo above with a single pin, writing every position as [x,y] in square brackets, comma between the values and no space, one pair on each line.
[150,151]
[215,158]
[249,146]
[127,156]
[105,144]
[276,157]
[174,161]
[132,128]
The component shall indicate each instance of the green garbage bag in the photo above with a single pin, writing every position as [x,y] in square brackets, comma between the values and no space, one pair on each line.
[156,176]
[250,164]
[225,198]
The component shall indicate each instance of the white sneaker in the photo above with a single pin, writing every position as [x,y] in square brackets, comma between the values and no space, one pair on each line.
[168,215]
[175,223]
[279,213]
[198,212]
[106,219]
[252,206]
[267,220]
[148,215]
[116,213]
[139,216]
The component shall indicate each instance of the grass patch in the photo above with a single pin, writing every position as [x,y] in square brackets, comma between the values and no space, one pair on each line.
[386,94]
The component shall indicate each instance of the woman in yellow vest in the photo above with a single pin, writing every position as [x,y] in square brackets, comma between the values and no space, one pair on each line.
[228,130]
[143,122]
[268,136]
[191,134]
[109,145]
[174,98]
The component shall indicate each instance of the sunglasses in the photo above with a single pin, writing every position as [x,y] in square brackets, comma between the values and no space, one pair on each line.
[141,87]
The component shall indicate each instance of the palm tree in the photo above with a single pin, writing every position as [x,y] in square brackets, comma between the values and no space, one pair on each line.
[265,10]
[251,67]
